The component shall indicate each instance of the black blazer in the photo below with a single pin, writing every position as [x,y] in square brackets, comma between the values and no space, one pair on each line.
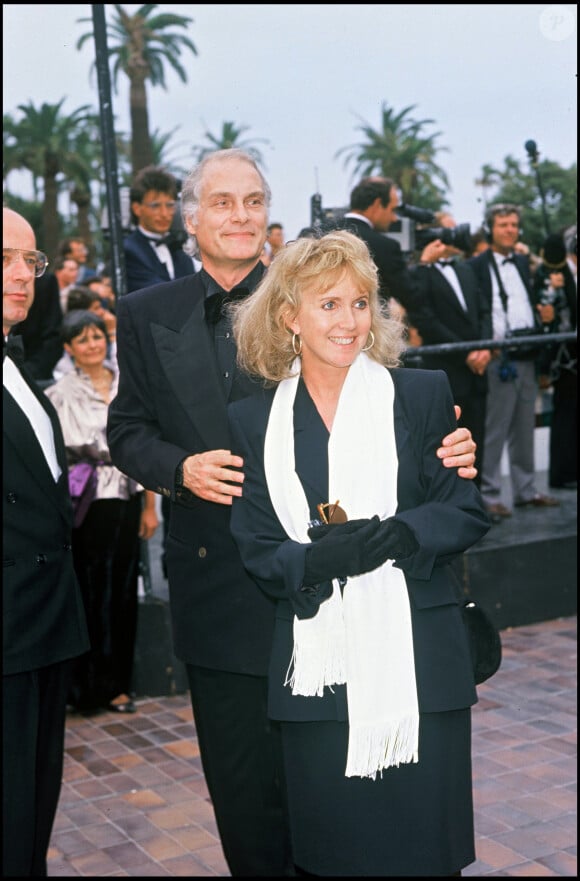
[43,619]
[170,404]
[483,270]
[445,513]
[144,268]
[394,276]
[441,318]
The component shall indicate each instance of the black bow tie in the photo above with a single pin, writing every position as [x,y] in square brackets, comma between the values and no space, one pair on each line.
[14,348]
[215,304]
[511,259]
[446,262]
[163,240]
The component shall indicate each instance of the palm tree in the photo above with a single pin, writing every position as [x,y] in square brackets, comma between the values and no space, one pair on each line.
[140,44]
[163,150]
[400,150]
[230,137]
[44,142]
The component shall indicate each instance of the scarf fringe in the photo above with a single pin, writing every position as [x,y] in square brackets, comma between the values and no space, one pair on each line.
[372,747]
[315,662]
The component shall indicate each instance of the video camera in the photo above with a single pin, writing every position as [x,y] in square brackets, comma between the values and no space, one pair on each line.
[404,231]
[456,237]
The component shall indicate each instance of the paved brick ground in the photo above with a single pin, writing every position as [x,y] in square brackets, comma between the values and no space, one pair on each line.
[134,799]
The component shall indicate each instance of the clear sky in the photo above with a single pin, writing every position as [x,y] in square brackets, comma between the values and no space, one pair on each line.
[303,77]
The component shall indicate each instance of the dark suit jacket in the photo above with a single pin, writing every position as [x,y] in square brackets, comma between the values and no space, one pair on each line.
[394,276]
[445,513]
[170,404]
[40,330]
[441,318]
[483,270]
[144,268]
[43,619]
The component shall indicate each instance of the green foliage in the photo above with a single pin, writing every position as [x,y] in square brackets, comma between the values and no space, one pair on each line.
[140,46]
[524,187]
[57,149]
[230,137]
[401,150]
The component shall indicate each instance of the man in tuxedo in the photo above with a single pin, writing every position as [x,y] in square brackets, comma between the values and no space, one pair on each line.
[373,206]
[504,277]
[168,429]
[452,309]
[152,253]
[43,622]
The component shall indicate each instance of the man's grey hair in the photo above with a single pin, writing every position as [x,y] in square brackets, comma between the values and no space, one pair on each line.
[191,189]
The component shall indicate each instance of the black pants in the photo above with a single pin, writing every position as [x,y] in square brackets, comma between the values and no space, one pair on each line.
[563,466]
[241,756]
[106,560]
[33,725]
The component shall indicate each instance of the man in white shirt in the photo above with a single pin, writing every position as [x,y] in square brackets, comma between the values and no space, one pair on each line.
[504,276]
[43,621]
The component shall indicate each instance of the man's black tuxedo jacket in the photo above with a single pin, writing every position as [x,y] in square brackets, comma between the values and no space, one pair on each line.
[442,319]
[483,270]
[394,276]
[144,268]
[43,618]
[170,404]
[444,511]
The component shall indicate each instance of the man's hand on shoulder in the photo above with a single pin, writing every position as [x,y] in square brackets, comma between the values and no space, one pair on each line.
[457,450]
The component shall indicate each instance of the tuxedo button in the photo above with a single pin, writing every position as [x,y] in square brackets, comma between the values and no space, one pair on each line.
[202,553]
[11,498]
[41,558]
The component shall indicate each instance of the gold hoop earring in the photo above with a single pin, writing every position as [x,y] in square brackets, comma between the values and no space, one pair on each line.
[366,348]
[296,346]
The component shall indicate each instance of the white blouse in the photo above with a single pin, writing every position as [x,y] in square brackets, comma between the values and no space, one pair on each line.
[83,418]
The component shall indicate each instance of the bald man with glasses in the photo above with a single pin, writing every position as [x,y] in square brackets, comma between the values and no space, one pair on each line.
[43,619]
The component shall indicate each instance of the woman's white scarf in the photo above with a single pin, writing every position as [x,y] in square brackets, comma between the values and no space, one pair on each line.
[363,637]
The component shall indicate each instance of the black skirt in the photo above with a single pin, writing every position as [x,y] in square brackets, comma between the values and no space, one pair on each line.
[416,819]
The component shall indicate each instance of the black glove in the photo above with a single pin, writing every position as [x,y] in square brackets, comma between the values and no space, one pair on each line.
[342,549]
[398,539]
[355,547]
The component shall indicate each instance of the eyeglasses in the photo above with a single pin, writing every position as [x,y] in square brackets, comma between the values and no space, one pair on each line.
[156,206]
[331,513]
[36,261]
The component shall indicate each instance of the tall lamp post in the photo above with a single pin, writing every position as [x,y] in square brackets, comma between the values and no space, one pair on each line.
[109,149]
[533,154]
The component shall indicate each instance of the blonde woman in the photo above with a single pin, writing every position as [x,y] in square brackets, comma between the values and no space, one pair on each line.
[370,670]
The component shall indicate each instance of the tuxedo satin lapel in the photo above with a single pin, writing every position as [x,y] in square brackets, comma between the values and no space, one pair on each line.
[147,255]
[18,431]
[446,291]
[186,355]
[469,295]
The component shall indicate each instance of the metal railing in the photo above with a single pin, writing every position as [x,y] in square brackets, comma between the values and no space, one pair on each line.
[543,339]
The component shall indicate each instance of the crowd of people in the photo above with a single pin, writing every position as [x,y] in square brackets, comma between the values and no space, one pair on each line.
[232,357]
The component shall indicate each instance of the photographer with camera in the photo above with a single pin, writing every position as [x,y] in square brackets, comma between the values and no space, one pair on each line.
[504,276]
[373,208]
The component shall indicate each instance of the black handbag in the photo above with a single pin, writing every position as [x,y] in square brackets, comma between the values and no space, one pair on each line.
[484,641]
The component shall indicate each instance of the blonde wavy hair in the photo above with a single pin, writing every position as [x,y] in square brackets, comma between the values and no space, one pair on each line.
[260,322]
